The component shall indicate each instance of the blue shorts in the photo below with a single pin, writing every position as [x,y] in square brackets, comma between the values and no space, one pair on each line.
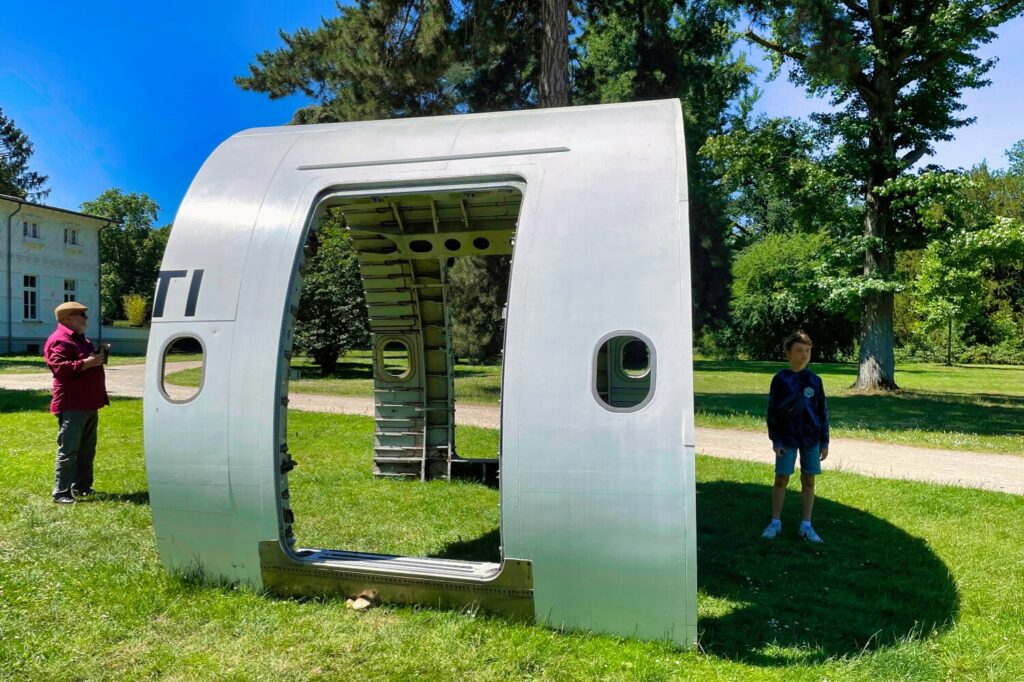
[810,461]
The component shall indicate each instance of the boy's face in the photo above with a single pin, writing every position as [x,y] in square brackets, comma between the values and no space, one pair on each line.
[799,354]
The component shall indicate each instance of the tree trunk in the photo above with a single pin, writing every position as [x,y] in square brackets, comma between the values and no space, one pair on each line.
[553,89]
[877,364]
[877,360]
[949,343]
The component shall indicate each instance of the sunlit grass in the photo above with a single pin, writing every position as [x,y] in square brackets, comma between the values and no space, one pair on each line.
[26,364]
[974,408]
[915,581]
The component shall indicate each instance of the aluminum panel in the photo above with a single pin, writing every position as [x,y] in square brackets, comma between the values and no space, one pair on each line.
[594,501]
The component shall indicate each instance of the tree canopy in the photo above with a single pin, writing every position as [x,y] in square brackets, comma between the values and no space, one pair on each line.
[130,249]
[398,58]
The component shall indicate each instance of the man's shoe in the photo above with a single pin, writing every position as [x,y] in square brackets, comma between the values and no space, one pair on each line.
[771,531]
[85,492]
[807,533]
[63,499]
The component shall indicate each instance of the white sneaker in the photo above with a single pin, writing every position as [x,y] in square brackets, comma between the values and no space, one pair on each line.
[807,533]
[772,530]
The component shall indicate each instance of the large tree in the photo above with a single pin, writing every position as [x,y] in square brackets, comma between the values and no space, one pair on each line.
[130,249]
[15,151]
[894,71]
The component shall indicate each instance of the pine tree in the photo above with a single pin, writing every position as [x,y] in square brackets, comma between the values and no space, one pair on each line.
[376,60]
[553,84]
[15,151]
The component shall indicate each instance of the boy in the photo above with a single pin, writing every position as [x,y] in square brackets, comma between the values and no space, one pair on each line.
[797,421]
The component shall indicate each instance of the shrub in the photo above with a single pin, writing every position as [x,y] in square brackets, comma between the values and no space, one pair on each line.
[332,315]
[776,291]
[136,308]
[479,286]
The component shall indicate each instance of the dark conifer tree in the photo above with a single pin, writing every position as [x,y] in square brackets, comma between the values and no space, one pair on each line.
[15,151]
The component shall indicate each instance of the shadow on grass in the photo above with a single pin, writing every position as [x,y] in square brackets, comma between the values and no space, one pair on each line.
[988,415]
[870,585]
[24,401]
[483,548]
[345,369]
[770,367]
[477,371]
[22,364]
[140,497]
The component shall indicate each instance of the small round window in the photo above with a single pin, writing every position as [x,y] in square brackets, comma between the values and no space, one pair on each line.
[394,359]
[623,372]
[182,369]
[636,359]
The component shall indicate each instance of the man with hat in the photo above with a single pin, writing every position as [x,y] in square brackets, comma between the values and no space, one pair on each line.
[79,391]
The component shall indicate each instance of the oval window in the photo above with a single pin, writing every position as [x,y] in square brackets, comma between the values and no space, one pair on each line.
[182,369]
[623,372]
[394,357]
[636,359]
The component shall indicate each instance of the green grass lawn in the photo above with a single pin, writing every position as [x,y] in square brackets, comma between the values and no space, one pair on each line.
[27,364]
[977,408]
[474,384]
[915,581]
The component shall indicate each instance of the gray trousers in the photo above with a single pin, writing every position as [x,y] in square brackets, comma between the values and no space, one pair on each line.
[76,450]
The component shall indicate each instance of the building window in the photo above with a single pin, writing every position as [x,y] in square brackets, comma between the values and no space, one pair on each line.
[70,290]
[70,236]
[30,293]
[29,230]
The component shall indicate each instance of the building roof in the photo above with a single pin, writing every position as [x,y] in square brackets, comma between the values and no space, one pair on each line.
[18,200]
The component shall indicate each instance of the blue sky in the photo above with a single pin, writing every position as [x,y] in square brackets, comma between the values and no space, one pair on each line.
[136,95]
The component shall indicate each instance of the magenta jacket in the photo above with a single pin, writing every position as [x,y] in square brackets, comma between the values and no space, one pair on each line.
[74,388]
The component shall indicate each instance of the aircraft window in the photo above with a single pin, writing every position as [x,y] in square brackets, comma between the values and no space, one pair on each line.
[182,382]
[395,359]
[623,373]
[636,359]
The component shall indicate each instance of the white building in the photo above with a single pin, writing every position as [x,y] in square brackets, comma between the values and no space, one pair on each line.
[48,255]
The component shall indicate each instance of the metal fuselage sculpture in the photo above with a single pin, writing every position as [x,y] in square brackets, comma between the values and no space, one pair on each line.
[597,465]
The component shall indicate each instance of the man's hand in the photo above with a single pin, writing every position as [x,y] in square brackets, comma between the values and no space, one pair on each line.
[92,361]
[778,452]
[824,454]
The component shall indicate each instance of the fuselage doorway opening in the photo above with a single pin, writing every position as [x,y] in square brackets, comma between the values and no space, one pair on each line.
[406,242]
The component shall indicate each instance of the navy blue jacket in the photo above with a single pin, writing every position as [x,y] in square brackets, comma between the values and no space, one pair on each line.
[810,425]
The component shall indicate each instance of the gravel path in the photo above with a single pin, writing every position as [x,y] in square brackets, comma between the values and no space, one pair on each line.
[1003,473]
